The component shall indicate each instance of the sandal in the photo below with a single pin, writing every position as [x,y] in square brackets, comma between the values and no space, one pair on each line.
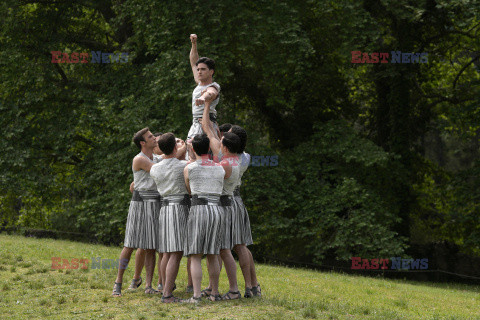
[227,296]
[117,289]
[248,292]
[135,284]
[150,290]
[175,299]
[193,300]
[160,287]
[215,297]
[207,292]
[257,291]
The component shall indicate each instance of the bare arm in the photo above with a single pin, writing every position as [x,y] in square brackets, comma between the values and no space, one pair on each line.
[181,151]
[207,127]
[187,182]
[208,95]
[141,163]
[132,186]
[194,56]
[227,167]
[191,154]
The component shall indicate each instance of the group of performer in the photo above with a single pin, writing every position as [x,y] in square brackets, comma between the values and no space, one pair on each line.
[186,201]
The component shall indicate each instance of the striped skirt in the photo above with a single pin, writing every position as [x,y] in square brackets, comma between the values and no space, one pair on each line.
[227,212]
[142,226]
[241,231]
[204,226]
[173,223]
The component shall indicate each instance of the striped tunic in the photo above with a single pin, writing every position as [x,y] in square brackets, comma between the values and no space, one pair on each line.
[204,227]
[241,230]
[230,219]
[142,226]
[168,175]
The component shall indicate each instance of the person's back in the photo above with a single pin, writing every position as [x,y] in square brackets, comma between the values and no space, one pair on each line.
[168,176]
[205,228]
[206,177]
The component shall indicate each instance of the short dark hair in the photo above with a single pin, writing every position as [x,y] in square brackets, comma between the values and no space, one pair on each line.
[157,134]
[209,62]
[137,137]
[225,127]
[167,142]
[242,134]
[231,141]
[201,144]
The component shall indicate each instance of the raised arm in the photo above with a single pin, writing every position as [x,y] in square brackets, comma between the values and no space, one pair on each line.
[207,127]
[194,56]
[187,181]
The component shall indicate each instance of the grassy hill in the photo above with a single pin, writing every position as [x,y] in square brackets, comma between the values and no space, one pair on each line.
[30,289]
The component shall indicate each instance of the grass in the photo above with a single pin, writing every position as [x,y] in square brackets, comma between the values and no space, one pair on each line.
[29,288]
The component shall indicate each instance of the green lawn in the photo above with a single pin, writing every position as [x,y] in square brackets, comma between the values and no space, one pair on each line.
[30,289]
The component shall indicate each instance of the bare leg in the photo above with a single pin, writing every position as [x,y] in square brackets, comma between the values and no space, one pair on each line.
[149,266]
[122,266]
[196,272]
[230,268]
[244,261]
[253,273]
[163,267]
[139,263]
[220,263]
[213,272]
[171,272]
[160,255]
[190,281]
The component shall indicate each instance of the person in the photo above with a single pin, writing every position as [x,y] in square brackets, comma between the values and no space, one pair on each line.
[204,181]
[142,220]
[140,253]
[162,264]
[241,231]
[168,175]
[224,128]
[224,150]
[206,90]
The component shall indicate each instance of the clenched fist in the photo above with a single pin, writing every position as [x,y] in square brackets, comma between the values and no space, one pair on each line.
[193,38]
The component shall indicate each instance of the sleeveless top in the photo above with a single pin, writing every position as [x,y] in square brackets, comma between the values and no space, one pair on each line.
[231,182]
[244,162]
[197,111]
[206,177]
[157,158]
[168,175]
[142,179]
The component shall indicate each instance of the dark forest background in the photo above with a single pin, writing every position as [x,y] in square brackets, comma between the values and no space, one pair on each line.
[372,158]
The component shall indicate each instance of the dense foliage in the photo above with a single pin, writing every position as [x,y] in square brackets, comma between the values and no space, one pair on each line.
[371,157]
